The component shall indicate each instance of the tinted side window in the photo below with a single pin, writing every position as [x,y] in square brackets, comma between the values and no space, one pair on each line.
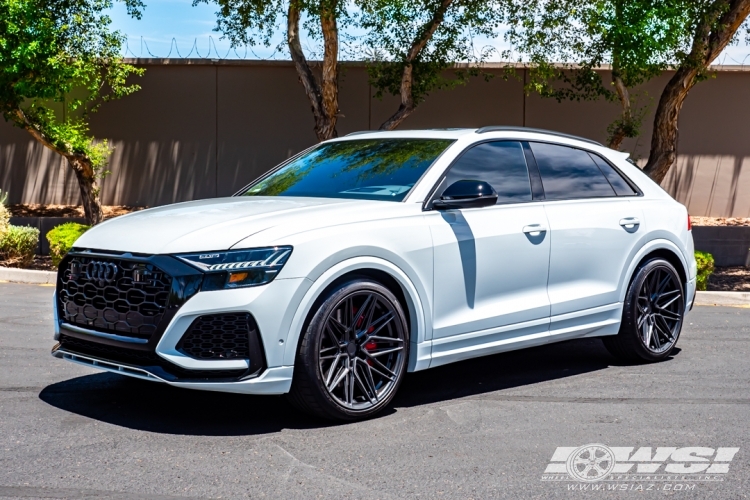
[501,164]
[620,185]
[569,173]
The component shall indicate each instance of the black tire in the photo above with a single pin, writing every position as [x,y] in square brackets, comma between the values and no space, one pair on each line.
[652,314]
[371,350]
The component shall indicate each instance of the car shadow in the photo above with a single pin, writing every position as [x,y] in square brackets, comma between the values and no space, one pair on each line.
[154,407]
[506,371]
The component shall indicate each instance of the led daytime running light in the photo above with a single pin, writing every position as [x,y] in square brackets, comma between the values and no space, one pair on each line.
[256,266]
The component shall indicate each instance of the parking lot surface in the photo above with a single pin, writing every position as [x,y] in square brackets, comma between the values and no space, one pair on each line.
[484,428]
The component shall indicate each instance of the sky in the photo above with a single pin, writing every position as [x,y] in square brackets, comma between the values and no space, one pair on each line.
[174,28]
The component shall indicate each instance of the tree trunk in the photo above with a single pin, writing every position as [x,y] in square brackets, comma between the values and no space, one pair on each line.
[89,190]
[626,117]
[408,105]
[80,164]
[323,99]
[330,80]
[407,101]
[664,136]
[715,30]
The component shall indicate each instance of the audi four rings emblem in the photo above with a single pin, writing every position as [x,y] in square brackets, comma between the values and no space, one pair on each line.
[103,272]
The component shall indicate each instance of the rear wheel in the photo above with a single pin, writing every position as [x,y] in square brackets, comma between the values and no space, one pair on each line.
[352,357]
[652,314]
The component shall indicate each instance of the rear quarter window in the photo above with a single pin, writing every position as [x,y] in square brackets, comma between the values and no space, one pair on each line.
[615,178]
[569,173]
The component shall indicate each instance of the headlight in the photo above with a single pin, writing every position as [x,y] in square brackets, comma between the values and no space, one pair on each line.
[238,268]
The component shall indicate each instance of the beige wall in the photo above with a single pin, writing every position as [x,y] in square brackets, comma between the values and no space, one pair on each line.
[199,129]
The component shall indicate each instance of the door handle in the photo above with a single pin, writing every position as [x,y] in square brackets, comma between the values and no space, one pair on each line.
[534,229]
[630,222]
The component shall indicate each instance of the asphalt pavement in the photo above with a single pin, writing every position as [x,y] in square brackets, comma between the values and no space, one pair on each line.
[483,428]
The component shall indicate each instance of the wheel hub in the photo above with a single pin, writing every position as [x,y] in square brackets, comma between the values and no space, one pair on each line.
[351,349]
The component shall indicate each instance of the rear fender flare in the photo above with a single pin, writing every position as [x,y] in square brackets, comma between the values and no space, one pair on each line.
[647,248]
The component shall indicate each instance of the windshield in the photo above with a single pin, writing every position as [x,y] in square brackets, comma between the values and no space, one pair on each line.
[368,169]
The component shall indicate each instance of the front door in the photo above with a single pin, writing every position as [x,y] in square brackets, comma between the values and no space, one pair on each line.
[491,263]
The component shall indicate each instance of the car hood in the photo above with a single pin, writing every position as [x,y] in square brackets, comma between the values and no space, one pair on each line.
[217,224]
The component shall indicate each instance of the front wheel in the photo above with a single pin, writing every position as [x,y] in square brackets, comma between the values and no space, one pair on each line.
[652,314]
[352,357]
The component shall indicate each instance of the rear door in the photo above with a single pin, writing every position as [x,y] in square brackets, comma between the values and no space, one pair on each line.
[595,230]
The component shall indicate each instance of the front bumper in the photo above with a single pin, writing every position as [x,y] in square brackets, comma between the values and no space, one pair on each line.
[275,380]
[160,358]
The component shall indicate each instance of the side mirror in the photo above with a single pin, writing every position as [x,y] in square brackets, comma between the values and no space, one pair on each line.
[466,194]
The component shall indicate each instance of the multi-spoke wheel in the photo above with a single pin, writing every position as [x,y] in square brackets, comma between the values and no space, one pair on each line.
[353,355]
[652,314]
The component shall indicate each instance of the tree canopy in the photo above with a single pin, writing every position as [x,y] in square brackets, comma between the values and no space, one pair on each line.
[639,39]
[59,61]
[713,25]
[412,44]
[567,41]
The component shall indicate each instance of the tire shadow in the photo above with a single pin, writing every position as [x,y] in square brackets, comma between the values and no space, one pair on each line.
[160,408]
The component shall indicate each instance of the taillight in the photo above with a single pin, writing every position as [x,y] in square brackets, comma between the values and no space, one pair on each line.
[690,223]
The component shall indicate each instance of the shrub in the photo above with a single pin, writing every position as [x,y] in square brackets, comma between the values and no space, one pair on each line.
[18,245]
[705,263]
[4,219]
[62,238]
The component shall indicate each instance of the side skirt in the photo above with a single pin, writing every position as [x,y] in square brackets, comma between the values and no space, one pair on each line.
[595,322]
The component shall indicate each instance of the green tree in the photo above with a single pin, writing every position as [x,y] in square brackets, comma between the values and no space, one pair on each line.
[249,22]
[637,38]
[714,25]
[63,51]
[413,43]
[640,39]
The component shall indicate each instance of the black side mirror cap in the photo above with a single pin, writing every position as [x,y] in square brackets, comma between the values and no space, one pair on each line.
[466,194]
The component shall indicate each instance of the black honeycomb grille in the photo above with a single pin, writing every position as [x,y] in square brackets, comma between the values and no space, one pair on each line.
[219,336]
[113,295]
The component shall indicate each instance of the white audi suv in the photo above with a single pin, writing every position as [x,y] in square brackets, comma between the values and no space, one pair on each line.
[381,253]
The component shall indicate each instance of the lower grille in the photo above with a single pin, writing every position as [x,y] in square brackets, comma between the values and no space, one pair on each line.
[219,336]
[144,359]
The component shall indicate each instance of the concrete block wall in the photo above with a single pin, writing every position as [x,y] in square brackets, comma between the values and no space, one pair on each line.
[202,128]
[730,246]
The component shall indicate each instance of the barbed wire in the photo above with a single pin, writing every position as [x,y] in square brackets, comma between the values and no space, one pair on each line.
[174,51]
[348,51]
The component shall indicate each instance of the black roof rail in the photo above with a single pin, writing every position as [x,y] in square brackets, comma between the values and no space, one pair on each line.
[509,128]
[447,129]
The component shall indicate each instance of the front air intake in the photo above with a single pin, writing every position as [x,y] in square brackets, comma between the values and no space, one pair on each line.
[223,336]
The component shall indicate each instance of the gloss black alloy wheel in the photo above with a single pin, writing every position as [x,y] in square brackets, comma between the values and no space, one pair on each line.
[353,355]
[652,314]
[660,306]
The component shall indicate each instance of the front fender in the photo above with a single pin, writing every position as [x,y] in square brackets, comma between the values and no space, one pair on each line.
[416,297]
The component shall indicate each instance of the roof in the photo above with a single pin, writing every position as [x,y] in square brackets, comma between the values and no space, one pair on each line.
[455,133]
